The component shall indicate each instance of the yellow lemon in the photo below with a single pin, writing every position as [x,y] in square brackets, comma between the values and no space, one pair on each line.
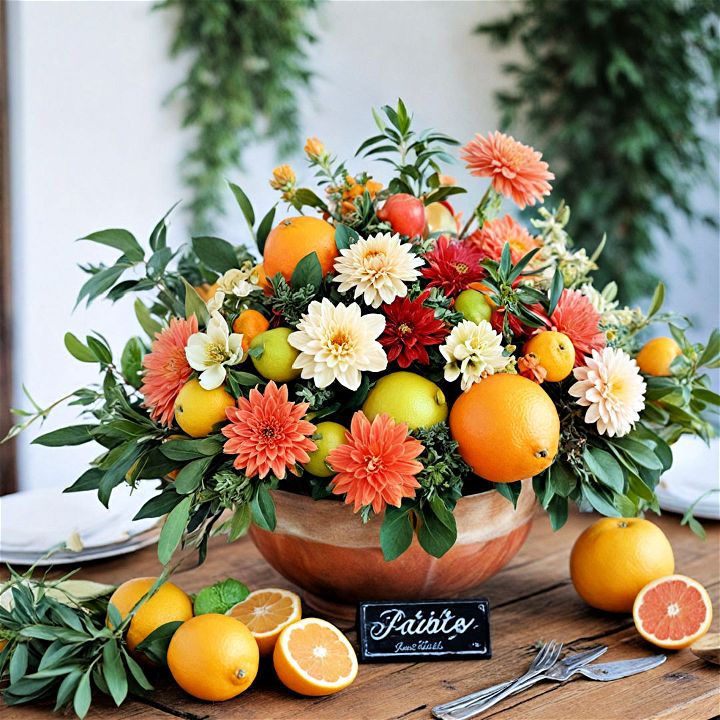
[197,410]
[332,435]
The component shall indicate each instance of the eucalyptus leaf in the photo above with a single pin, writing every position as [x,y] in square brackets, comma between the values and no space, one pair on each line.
[172,530]
[114,672]
[71,435]
[604,467]
[244,202]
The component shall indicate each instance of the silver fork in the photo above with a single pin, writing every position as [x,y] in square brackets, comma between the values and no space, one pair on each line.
[544,660]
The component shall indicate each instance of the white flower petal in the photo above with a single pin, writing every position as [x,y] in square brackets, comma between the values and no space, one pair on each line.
[213,377]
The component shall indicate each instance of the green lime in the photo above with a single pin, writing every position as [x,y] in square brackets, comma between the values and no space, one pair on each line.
[273,356]
[473,305]
[407,398]
[332,435]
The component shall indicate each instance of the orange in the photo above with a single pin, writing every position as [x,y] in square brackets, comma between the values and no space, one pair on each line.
[656,355]
[262,279]
[206,291]
[507,428]
[554,351]
[312,657]
[168,604]
[266,613]
[673,612]
[615,558]
[290,241]
[213,657]
[250,323]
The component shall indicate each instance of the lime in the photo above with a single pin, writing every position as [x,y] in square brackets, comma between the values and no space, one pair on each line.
[407,398]
[332,435]
[275,355]
[198,410]
[473,305]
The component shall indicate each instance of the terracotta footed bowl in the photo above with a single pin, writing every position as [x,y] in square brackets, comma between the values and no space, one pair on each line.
[323,547]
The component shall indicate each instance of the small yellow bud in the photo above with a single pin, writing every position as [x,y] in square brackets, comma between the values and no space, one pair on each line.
[283,178]
[314,148]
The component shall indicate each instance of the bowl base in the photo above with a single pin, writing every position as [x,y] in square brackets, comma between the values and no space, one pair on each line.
[340,614]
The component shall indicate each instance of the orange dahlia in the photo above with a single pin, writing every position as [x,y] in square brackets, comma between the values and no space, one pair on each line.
[491,238]
[377,465]
[167,369]
[267,432]
[516,170]
[575,316]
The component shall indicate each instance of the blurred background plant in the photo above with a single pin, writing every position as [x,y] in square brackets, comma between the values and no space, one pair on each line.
[615,93]
[248,66]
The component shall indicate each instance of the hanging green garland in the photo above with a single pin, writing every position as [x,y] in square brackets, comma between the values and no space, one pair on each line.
[248,63]
[614,90]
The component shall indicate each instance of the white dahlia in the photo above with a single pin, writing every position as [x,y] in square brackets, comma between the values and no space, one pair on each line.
[473,351]
[337,342]
[377,268]
[611,388]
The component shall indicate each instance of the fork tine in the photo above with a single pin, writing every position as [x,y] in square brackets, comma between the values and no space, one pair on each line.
[540,655]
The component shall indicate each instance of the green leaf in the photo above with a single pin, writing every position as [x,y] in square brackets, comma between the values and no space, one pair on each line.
[244,203]
[114,617]
[639,452]
[147,322]
[120,240]
[599,501]
[604,467]
[71,435]
[83,695]
[556,288]
[220,597]
[437,530]
[89,480]
[191,449]
[510,491]
[218,254]
[158,237]
[52,632]
[557,511]
[657,300]
[306,197]
[100,282]
[396,532]
[18,662]
[114,672]
[128,453]
[160,504]
[77,349]
[505,260]
[136,671]
[245,378]
[307,272]
[99,349]
[344,236]
[711,352]
[131,361]
[263,508]
[264,229]
[155,645]
[561,479]
[67,688]
[194,304]
[173,529]
[190,477]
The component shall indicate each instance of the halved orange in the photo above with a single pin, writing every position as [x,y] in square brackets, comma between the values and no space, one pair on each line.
[265,613]
[312,657]
[672,612]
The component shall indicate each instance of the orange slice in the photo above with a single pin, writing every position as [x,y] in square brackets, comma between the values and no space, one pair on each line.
[265,613]
[672,612]
[312,657]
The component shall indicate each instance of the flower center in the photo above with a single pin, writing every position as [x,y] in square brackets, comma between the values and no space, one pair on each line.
[373,463]
[461,267]
[404,329]
[340,343]
[215,353]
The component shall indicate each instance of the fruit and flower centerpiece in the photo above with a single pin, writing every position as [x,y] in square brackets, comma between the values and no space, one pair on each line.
[375,372]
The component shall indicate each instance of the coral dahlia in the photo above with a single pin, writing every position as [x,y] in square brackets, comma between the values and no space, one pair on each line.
[491,238]
[377,465]
[575,316]
[267,433]
[452,266]
[167,369]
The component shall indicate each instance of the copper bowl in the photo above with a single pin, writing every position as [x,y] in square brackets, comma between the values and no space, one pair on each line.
[321,546]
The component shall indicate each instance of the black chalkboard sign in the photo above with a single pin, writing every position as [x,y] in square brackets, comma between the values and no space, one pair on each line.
[399,631]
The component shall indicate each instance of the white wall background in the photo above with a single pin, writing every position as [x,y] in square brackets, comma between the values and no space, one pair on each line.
[92,147]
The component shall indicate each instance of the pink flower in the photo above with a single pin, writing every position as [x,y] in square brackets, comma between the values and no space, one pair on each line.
[516,170]
[575,316]
[490,239]
[267,433]
[167,369]
[452,266]
[377,465]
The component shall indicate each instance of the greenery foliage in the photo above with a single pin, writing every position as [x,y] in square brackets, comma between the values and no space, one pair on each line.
[248,62]
[614,91]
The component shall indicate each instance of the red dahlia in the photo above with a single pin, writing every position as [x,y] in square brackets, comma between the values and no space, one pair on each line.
[452,266]
[409,328]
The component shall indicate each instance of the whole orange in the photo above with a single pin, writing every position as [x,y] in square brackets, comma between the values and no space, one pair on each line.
[656,355]
[555,352]
[168,604]
[213,657]
[294,238]
[507,428]
[615,558]
[250,323]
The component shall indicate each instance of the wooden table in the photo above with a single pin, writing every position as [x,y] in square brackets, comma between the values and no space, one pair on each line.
[532,599]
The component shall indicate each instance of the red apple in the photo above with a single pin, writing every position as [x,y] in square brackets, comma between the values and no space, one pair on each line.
[405,213]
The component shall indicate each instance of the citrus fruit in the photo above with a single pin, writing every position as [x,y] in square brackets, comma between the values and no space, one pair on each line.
[485,290]
[407,398]
[290,241]
[250,323]
[198,410]
[168,604]
[439,219]
[312,657]
[262,280]
[266,613]
[331,435]
[207,291]
[473,305]
[615,558]
[672,612]
[213,657]
[507,428]
[555,352]
[277,358]
[656,355]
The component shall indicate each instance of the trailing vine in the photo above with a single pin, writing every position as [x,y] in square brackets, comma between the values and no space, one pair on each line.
[248,65]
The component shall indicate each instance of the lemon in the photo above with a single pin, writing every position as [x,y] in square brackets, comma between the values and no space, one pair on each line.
[440,219]
[332,435]
[407,398]
[277,357]
[198,410]
[473,305]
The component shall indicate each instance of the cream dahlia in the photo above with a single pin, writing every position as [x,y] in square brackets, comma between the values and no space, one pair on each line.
[610,386]
[473,351]
[377,268]
[337,342]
